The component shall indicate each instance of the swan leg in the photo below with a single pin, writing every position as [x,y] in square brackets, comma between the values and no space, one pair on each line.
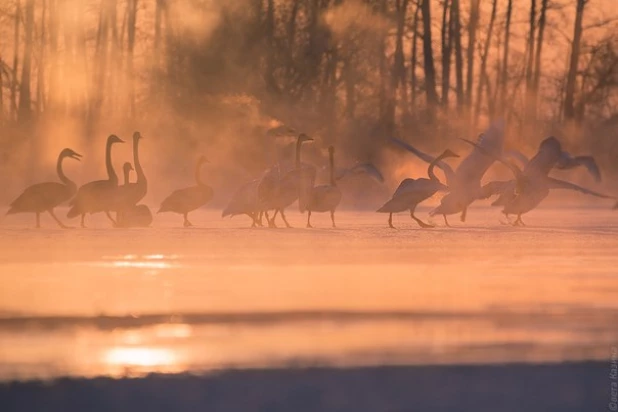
[186,223]
[82,223]
[419,221]
[62,225]
[309,218]
[38,220]
[463,215]
[109,216]
[253,219]
[332,217]
[446,221]
[519,222]
[271,222]
[259,218]
[390,221]
[284,219]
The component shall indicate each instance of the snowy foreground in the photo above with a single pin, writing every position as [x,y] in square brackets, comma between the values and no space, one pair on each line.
[221,296]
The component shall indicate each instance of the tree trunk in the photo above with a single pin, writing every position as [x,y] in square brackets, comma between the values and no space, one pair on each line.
[447,41]
[25,101]
[413,56]
[472,27]
[430,71]
[53,55]
[569,109]
[40,84]
[505,58]
[16,44]
[456,25]
[530,63]
[537,59]
[484,56]
[398,74]
[132,19]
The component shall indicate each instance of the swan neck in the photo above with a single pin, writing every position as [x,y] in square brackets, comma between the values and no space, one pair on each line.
[198,178]
[126,176]
[141,177]
[298,144]
[331,159]
[111,174]
[63,178]
[432,165]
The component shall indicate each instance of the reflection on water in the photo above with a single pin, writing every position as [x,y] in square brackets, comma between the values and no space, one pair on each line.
[132,361]
[193,300]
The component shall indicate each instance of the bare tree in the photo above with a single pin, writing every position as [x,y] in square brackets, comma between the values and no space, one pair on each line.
[25,100]
[484,78]
[414,55]
[569,98]
[456,31]
[16,48]
[472,27]
[430,71]
[447,43]
[505,56]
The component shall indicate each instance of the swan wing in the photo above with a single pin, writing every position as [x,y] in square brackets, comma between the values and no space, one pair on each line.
[561,184]
[448,170]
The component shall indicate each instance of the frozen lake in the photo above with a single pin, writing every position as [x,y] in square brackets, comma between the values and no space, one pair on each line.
[117,302]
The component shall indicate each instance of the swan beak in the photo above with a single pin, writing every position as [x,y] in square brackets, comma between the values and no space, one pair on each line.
[76,156]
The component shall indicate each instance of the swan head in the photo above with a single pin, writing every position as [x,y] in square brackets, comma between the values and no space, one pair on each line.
[304,138]
[114,139]
[137,136]
[551,143]
[448,153]
[71,153]
[331,149]
[127,167]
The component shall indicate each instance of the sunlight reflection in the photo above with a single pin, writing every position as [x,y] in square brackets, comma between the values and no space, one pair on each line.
[152,261]
[154,358]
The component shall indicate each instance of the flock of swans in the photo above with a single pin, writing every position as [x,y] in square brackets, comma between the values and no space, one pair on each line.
[283,184]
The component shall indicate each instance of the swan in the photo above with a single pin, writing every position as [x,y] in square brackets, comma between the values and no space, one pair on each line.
[549,156]
[465,182]
[411,192]
[44,197]
[185,200]
[325,198]
[98,196]
[532,185]
[131,215]
[278,188]
[131,193]
[245,201]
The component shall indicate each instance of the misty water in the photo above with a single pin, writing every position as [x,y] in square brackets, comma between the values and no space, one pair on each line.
[116,302]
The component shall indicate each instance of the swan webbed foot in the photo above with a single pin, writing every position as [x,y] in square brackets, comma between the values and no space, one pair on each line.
[424,225]
[285,220]
[463,215]
[309,226]
[390,221]
[446,221]
[519,222]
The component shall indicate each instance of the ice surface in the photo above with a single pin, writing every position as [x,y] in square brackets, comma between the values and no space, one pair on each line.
[103,301]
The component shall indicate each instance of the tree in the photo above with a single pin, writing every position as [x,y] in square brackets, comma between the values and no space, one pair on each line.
[472,27]
[25,100]
[569,98]
[430,71]
[505,57]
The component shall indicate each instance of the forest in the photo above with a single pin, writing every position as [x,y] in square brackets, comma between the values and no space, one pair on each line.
[234,78]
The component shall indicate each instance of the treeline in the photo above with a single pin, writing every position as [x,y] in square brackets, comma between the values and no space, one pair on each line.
[354,70]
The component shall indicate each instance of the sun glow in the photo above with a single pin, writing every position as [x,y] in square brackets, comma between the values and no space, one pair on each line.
[158,359]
